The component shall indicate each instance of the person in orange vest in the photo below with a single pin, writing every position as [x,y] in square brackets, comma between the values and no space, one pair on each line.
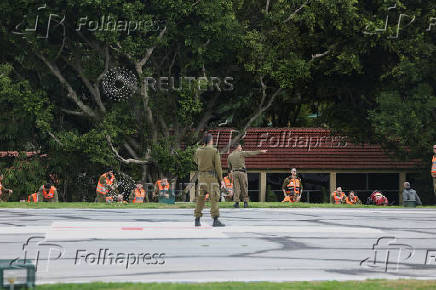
[106,187]
[228,189]
[33,197]
[138,195]
[338,196]
[433,169]
[4,192]
[292,187]
[48,193]
[352,198]
[162,191]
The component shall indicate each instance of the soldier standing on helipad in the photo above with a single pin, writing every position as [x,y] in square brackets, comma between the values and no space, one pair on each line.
[210,177]
[236,163]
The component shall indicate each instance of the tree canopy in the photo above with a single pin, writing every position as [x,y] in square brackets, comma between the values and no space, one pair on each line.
[131,85]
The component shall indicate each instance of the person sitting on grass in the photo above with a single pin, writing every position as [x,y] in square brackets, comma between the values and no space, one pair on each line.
[377,198]
[410,194]
[138,194]
[338,196]
[352,198]
[48,193]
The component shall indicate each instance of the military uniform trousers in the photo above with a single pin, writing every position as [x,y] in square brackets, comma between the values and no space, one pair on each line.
[208,183]
[240,186]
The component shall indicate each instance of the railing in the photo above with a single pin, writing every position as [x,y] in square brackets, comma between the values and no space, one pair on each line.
[306,193]
[363,194]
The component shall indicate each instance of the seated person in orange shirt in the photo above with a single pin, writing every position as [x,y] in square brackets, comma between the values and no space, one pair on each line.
[292,187]
[352,199]
[338,196]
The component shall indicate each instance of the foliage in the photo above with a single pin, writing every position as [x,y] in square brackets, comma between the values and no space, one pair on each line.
[291,63]
[177,162]
[25,176]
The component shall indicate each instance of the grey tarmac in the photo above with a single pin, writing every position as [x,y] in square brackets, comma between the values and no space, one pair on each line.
[149,245]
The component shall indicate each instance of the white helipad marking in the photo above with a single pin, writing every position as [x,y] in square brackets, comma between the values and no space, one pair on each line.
[178,230]
[24,230]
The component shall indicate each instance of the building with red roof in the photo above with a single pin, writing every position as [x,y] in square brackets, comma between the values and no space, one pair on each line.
[324,161]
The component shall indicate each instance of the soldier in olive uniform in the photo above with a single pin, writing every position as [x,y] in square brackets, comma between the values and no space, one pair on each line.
[210,177]
[236,163]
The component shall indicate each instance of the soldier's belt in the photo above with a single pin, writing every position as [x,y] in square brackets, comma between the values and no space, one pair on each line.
[240,170]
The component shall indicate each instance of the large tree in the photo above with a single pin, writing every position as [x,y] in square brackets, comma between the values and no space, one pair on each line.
[255,63]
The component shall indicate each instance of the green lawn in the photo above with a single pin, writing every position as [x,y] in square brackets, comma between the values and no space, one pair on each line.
[181,205]
[353,285]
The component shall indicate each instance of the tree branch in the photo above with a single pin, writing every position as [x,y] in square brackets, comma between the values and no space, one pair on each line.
[196,2]
[71,92]
[262,108]
[55,138]
[267,6]
[318,55]
[106,65]
[164,126]
[148,53]
[95,92]
[295,12]
[143,88]
[130,150]
[74,113]
[126,161]
[90,43]
[148,111]
[206,116]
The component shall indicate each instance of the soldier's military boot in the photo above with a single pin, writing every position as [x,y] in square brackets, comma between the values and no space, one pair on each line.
[236,205]
[197,222]
[245,204]
[217,223]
